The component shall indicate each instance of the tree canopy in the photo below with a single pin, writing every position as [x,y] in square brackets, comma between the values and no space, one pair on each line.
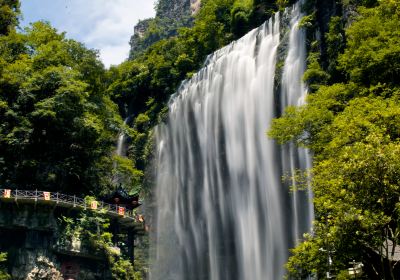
[58,127]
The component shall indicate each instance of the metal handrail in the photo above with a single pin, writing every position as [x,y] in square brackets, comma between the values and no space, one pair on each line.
[70,200]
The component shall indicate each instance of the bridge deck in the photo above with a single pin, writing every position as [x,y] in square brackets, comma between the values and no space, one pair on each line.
[68,201]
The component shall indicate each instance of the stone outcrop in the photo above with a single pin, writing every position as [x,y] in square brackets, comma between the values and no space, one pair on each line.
[175,9]
[141,28]
[170,16]
[29,234]
[42,268]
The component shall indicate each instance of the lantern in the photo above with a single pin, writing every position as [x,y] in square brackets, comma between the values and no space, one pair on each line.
[46,195]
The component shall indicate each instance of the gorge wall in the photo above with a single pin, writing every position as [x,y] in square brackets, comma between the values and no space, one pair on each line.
[32,237]
[170,16]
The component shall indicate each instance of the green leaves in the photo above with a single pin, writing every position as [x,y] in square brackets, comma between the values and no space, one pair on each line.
[240,17]
[127,173]
[40,34]
[373,54]
[9,12]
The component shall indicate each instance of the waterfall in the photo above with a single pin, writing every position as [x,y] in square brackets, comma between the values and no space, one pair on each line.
[120,151]
[120,144]
[222,209]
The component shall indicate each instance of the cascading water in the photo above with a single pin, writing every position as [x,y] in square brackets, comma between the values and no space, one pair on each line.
[222,210]
[120,144]
[120,150]
[293,93]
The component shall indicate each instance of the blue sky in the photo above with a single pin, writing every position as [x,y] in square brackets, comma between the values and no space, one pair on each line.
[105,25]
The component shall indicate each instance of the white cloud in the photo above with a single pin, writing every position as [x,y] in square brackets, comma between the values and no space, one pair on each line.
[112,25]
[105,25]
[112,55]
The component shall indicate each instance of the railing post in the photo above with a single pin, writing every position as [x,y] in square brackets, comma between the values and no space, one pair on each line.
[16,194]
[57,197]
[36,195]
[74,201]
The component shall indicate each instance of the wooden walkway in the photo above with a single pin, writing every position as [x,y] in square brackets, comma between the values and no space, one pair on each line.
[68,201]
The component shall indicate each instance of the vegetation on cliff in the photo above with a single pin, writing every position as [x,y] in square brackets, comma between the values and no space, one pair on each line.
[170,16]
[58,126]
[92,229]
[351,123]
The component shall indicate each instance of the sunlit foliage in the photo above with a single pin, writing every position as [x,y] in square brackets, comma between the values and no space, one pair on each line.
[353,129]
[58,127]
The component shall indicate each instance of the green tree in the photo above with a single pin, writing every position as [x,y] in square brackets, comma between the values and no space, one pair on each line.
[9,12]
[241,13]
[372,55]
[92,229]
[353,129]
[58,126]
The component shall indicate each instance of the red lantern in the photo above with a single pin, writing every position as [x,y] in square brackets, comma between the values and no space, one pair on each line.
[46,195]
[121,211]
[7,193]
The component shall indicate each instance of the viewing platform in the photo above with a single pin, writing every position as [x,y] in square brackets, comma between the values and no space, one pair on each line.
[33,233]
[124,215]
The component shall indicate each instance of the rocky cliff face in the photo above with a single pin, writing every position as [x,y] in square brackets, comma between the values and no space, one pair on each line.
[29,234]
[173,8]
[170,16]
[141,28]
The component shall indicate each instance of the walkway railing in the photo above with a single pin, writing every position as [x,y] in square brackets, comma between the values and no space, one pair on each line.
[64,200]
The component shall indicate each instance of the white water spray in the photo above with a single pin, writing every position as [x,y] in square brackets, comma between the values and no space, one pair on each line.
[222,210]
